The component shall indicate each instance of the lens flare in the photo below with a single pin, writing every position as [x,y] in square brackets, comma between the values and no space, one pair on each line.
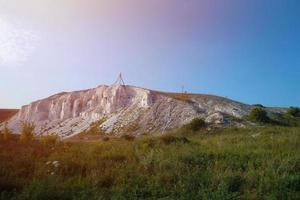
[16,43]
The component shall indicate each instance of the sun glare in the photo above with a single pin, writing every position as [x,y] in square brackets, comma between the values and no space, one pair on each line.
[16,44]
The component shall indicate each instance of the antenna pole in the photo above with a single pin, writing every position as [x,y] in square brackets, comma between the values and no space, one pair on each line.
[120,80]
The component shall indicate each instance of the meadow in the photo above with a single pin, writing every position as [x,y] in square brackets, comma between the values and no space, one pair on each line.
[228,163]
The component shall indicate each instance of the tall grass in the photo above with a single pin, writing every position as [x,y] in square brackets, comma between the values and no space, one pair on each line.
[233,163]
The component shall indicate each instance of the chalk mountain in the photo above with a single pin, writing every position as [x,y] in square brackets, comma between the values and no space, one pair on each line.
[120,109]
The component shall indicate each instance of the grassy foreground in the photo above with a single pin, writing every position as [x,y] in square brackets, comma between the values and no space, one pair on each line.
[245,163]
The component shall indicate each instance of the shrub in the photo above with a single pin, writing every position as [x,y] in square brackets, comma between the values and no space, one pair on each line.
[50,140]
[27,132]
[196,124]
[259,105]
[294,112]
[259,115]
[105,139]
[128,137]
[287,119]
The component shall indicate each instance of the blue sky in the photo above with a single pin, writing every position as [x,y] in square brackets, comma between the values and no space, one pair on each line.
[247,50]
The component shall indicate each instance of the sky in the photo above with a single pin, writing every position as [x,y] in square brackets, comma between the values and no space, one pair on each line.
[246,50]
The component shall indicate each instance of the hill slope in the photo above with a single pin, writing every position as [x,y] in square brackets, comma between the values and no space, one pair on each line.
[5,114]
[120,109]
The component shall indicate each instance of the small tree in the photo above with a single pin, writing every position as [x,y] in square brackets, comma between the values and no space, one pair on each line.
[7,133]
[196,124]
[27,132]
[259,115]
[259,105]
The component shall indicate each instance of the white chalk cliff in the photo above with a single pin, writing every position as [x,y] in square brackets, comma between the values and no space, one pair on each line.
[122,109]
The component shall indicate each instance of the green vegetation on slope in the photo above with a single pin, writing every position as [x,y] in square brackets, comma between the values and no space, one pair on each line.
[233,163]
[258,114]
[290,118]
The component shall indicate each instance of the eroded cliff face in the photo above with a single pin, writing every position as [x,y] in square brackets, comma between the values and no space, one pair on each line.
[122,109]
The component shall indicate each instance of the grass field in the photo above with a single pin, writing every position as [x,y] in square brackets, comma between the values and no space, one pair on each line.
[233,163]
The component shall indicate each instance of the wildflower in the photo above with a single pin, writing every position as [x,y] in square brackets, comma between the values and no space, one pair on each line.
[55,164]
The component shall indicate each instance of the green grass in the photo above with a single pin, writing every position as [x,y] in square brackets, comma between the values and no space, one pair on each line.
[233,163]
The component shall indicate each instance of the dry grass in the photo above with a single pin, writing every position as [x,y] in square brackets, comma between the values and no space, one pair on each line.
[233,163]
[179,96]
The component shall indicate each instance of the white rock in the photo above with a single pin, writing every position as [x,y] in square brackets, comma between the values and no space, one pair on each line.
[122,108]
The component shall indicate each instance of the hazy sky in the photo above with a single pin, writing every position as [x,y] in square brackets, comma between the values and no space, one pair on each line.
[247,50]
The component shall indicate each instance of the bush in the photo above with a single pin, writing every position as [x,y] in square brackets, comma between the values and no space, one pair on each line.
[50,140]
[27,132]
[259,105]
[287,119]
[105,139]
[128,137]
[259,115]
[196,124]
[294,112]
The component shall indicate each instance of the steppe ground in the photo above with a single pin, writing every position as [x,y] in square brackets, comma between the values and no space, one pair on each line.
[227,163]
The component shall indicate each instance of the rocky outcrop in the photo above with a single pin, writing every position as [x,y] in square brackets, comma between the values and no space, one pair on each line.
[123,109]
